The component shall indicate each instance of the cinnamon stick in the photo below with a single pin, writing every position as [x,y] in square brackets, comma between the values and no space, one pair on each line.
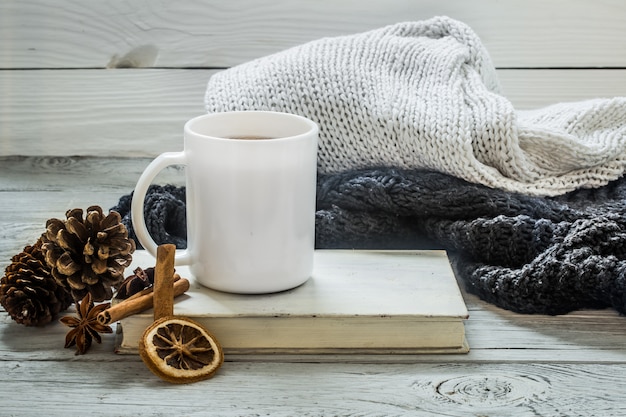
[164,281]
[145,291]
[139,302]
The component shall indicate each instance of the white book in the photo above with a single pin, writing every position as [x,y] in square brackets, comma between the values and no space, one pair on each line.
[368,302]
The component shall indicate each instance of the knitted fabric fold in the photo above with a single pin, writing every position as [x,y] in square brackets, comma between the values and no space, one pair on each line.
[419,149]
[523,253]
[425,95]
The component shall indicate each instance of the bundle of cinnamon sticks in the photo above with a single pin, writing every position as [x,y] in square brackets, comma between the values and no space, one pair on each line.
[141,301]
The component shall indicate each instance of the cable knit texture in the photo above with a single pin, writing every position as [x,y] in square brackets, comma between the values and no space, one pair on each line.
[425,95]
[524,253]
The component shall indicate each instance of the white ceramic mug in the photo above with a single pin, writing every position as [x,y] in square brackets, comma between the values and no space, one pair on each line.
[251,181]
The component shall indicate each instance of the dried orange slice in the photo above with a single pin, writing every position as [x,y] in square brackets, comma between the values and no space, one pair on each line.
[177,349]
[180,351]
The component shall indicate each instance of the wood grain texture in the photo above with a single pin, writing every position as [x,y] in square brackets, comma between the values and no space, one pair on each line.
[196,33]
[55,185]
[129,113]
[530,89]
[119,113]
[80,134]
[521,365]
[279,389]
[500,337]
[34,189]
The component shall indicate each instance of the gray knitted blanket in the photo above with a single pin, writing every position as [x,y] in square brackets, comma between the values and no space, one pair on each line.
[528,254]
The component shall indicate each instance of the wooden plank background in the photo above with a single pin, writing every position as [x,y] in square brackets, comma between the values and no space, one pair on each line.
[91,90]
[62,91]
[216,33]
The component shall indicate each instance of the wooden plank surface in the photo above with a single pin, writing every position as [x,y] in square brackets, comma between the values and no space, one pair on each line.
[56,184]
[196,33]
[78,134]
[34,189]
[279,389]
[126,113]
[494,336]
[519,364]
[97,112]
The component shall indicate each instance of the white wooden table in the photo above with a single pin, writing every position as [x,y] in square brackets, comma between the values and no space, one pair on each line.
[74,133]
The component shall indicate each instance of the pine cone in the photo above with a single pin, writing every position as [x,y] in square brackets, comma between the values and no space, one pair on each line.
[88,256]
[28,292]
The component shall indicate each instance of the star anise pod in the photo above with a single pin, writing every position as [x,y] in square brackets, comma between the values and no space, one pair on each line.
[85,327]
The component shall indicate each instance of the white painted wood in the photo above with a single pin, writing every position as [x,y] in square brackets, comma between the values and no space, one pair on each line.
[74,387]
[215,33]
[118,113]
[55,185]
[34,189]
[128,113]
[522,365]
[496,337]
[530,89]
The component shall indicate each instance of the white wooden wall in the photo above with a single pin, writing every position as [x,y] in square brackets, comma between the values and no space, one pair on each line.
[66,89]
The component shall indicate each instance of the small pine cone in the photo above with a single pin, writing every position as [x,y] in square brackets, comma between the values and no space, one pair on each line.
[88,255]
[28,292]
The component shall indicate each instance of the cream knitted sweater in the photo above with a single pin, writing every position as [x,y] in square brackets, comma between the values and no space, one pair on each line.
[425,95]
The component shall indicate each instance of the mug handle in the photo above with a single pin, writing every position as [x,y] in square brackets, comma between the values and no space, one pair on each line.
[139,222]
